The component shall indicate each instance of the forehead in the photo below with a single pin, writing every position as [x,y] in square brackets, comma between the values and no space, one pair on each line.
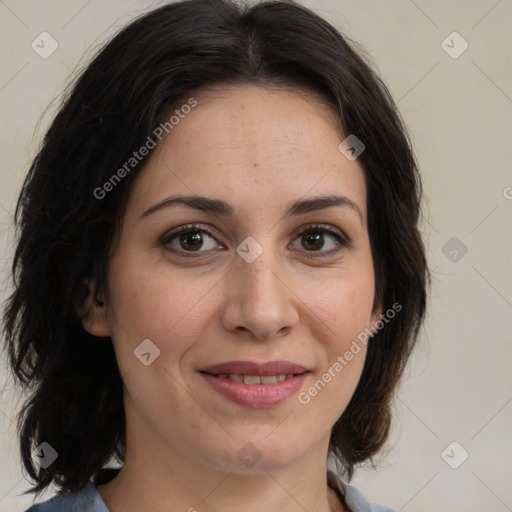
[249,120]
[249,142]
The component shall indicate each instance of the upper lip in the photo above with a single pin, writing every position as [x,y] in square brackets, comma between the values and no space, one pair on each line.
[254,368]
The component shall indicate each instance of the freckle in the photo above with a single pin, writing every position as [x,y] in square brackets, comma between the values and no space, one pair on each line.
[256,165]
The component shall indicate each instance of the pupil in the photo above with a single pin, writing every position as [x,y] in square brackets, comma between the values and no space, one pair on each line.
[312,240]
[192,239]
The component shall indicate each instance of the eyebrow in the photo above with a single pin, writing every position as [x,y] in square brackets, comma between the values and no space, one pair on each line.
[219,207]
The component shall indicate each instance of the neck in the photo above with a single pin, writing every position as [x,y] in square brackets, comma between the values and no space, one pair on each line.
[231,493]
[165,477]
[142,485]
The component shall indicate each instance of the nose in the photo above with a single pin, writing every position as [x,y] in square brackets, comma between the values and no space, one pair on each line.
[260,300]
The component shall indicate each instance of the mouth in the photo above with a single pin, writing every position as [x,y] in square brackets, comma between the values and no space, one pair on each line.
[255,379]
[254,384]
[254,368]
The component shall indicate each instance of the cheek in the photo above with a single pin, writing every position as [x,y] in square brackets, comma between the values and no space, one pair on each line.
[341,317]
[342,309]
[160,306]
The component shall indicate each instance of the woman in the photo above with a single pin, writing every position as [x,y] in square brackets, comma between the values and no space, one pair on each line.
[219,274]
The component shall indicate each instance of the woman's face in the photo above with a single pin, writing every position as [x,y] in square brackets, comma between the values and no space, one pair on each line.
[257,284]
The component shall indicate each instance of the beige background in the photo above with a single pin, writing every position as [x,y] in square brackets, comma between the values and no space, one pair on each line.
[459,385]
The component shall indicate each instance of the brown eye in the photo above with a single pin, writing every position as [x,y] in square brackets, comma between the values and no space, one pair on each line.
[189,239]
[313,241]
[319,237]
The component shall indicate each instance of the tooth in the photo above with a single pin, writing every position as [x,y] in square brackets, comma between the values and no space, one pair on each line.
[236,377]
[252,379]
[268,379]
[222,376]
[289,375]
[281,377]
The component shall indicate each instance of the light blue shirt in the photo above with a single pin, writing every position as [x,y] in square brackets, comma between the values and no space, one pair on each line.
[89,500]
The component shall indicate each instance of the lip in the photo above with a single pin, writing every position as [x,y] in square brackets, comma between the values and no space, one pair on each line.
[255,395]
[254,368]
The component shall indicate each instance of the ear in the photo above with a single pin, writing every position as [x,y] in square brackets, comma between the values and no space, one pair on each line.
[374,319]
[90,306]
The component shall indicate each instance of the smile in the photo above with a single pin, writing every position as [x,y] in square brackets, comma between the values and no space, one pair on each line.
[255,379]
[255,391]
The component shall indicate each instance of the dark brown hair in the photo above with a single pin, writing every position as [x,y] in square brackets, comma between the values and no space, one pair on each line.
[75,392]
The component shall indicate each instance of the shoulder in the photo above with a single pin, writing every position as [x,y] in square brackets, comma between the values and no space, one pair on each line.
[357,502]
[86,500]
[353,498]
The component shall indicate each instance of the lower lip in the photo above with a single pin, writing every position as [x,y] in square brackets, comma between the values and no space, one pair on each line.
[256,395]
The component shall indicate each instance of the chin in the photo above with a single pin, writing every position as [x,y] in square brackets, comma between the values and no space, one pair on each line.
[257,453]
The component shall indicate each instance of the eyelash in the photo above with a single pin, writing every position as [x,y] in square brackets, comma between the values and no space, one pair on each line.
[316,228]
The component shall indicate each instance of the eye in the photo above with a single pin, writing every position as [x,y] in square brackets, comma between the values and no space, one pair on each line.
[313,239]
[189,239]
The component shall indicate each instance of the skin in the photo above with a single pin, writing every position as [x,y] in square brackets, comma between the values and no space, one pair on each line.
[259,150]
